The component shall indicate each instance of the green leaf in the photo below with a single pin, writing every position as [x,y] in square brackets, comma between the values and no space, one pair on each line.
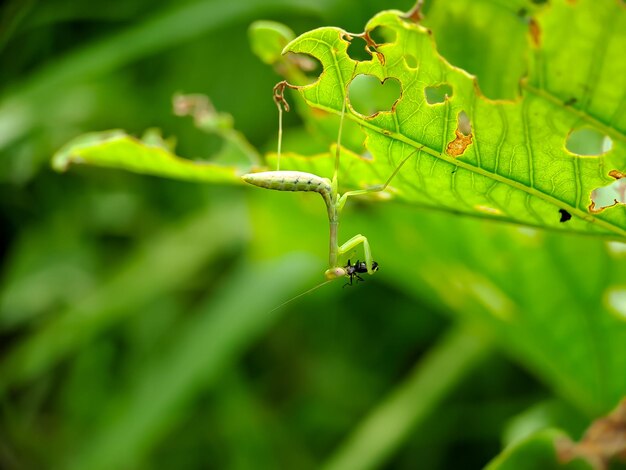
[537,451]
[603,444]
[268,39]
[115,149]
[545,297]
[514,165]
[485,38]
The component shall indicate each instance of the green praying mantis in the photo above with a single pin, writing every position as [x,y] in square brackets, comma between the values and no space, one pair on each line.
[281,180]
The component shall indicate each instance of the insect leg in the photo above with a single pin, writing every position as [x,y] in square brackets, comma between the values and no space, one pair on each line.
[354,242]
[378,187]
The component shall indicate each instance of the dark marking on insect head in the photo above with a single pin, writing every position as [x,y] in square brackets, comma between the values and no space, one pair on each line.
[353,271]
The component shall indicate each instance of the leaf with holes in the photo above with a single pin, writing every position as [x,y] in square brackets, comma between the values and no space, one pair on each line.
[516,161]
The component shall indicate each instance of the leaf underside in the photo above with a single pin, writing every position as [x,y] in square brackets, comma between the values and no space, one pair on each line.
[115,149]
[515,165]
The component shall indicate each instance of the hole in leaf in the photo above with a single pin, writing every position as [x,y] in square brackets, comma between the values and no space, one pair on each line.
[368,96]
[357,49]
[411,61]
[587,141]
[382,35]
[309,65]
[437,94]
[464,124]
[616,249]
[615,299]
[463,133]
[609,195]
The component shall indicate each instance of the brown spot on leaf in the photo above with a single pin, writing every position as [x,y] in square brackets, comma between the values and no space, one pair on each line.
[603,443]
[616,174]
[459,144]
[318,113]
[535,32]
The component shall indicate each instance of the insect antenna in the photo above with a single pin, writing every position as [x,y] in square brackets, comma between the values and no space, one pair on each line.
[312,289]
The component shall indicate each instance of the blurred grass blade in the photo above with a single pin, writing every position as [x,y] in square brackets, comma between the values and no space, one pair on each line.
[387,426]
[160,265]
[213,338]
[114,149]
[21,107]
[11,18]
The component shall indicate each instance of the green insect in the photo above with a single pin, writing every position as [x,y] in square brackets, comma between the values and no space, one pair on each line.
[335,202]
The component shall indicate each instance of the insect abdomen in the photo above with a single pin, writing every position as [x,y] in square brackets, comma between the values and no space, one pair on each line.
[290,181]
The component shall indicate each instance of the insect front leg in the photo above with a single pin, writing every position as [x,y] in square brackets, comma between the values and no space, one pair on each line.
[354,242]
[375,188]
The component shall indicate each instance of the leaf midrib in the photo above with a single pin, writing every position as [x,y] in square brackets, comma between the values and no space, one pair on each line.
[481,171]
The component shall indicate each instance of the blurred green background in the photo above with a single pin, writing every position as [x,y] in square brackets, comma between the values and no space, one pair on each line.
[136,318]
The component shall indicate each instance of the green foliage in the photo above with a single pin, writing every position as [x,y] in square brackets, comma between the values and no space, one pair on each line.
[137,315]
[516,166]
[536,452]
[268,39]
[117,150]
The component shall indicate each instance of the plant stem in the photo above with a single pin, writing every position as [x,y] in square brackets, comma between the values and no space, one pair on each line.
[388,425]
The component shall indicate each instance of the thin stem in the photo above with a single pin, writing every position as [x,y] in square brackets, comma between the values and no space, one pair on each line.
[281,103]
[338,150]
[333,248]
[386,427]
[280,134]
